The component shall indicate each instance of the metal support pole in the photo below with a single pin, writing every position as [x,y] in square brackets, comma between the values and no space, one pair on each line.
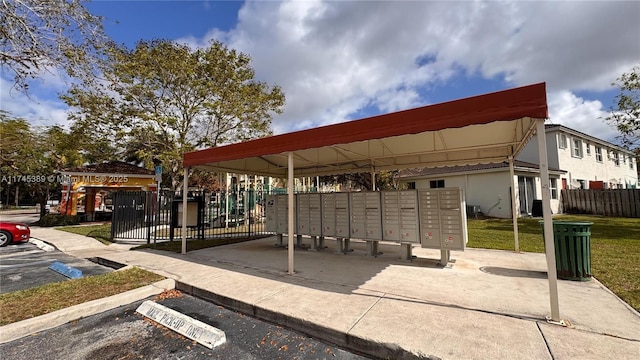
[548,225]
[373,179]
[514,211]
[185,186]
[290,211]
[157,222]
[226,202]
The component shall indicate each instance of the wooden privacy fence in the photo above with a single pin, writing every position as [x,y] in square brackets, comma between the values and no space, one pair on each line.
[614,202]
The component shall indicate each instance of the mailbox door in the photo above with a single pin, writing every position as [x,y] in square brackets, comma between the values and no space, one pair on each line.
[328,214]
[315,215]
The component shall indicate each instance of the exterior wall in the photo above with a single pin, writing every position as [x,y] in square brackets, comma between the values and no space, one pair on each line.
[530,152]
[489,190]
[586,168]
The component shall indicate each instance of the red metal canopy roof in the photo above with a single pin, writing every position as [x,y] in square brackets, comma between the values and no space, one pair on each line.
[448,133]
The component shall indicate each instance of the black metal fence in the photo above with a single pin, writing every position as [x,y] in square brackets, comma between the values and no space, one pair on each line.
[141,215]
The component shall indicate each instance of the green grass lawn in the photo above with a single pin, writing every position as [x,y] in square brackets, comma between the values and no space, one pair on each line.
[25,304]
[615,247]
[101,233]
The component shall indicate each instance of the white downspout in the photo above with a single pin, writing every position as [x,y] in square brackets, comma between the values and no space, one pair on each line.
[548,225]
[514,210]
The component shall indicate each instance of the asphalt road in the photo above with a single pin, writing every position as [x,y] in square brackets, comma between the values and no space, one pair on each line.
[25,217]
[124,334]
[24,265]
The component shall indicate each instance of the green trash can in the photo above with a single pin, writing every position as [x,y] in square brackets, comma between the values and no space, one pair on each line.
[572,242]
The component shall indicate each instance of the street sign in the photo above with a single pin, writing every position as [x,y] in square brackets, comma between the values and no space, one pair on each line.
[159,173]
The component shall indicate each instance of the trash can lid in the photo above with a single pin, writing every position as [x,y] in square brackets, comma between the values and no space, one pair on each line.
[562,222]
[566,222]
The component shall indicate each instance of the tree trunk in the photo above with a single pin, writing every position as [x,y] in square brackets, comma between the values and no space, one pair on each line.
[42,200]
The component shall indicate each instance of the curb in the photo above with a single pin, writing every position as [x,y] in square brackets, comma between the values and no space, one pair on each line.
[48,321]
[353,343]
[42,245]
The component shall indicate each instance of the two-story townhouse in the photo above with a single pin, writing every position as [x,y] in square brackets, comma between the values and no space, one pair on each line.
[576,160]
[589,162]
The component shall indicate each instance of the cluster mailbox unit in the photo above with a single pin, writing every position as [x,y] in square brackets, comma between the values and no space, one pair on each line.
[433,218]
[335,219]
[443,220]
[366,218]
[277,215]
[309,217]
[400,219]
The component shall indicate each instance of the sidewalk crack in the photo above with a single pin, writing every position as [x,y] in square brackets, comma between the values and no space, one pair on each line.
[546,343]
[365,313]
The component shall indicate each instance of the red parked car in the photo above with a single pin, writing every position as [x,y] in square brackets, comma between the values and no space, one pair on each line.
[13,233]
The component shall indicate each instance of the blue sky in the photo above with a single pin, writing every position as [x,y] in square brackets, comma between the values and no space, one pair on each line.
[343,60]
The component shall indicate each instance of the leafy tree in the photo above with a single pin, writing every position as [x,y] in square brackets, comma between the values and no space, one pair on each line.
[625,115]
[29,156]
[385,180]
[39,35]
[14,134]
[162,99]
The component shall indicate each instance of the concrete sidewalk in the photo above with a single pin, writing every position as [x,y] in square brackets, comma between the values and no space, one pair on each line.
[487,304]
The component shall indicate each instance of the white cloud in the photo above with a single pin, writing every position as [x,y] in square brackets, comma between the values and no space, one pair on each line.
[333,58]
[586,116]
[37,109]
[336,60]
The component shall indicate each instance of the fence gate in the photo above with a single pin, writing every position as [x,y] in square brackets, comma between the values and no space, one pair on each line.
[137,215]
[132,214]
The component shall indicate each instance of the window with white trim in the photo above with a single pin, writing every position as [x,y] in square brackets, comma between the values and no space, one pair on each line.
[588,149]
[562,143]
[553,187]
[598,154]
[577,148]
[631,163]
[616,158]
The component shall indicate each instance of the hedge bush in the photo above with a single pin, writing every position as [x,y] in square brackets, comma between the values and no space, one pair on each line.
[50,220]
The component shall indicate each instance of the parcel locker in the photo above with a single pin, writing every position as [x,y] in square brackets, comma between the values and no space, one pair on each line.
[373,216]
[302,214]
[328,214]
[400,216]
[409,223]
[342,218]
[390,216]
[315,215]
[358,212]
[429,218]
[270,213]
[282,213]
